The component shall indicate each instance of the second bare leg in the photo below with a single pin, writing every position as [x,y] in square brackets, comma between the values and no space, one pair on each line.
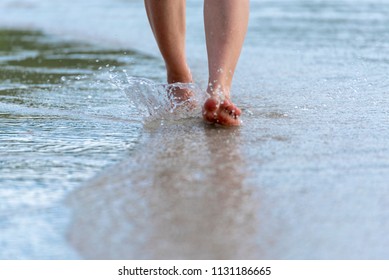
[225,28]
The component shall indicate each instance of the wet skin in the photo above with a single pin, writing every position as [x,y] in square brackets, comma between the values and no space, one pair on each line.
[222,112]
[216,110]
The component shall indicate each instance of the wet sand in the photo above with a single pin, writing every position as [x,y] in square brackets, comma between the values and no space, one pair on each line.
[194,191]
[177,197]
[305,177]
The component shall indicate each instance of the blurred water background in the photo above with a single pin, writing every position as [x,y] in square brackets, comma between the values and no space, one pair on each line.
[94,165]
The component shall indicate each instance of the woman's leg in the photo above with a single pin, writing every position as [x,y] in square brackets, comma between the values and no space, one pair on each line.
[167,20]
[225,29]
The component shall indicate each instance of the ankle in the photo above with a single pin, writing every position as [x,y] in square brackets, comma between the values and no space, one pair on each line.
[184,76]
[218,91]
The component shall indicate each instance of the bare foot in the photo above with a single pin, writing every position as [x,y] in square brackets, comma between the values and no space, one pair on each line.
[222,112]
[181,96]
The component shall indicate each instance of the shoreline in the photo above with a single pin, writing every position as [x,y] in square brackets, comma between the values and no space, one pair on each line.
[304,177]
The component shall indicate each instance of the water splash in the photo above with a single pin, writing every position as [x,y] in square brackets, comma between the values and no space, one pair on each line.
[158,101]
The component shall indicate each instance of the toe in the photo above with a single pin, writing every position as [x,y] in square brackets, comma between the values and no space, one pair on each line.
[232,110]
[211,105]
[225,113]
[228,120]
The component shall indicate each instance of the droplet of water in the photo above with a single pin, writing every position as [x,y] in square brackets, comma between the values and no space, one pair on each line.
[155,101]
[248,112]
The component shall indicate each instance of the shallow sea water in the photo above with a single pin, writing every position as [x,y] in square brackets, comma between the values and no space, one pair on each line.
[62,120]
[86,172]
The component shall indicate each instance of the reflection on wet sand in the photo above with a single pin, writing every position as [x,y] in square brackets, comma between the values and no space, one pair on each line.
[182,196]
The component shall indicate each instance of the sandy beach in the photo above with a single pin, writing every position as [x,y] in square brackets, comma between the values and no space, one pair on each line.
[93,165]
